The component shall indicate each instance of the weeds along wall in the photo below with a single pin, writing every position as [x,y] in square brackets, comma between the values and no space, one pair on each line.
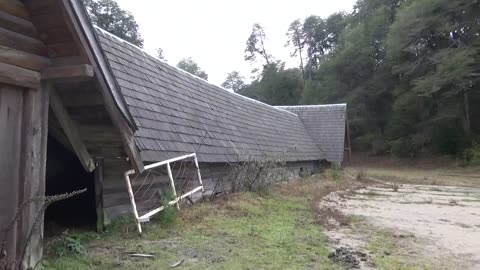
[117,203]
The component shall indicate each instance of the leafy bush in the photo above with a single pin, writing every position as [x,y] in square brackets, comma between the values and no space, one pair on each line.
[72,244]
[471,155]
[169,214]
[335,172]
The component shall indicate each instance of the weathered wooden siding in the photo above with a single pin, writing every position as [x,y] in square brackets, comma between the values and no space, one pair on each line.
[115,197]
[11,101]
[23,133]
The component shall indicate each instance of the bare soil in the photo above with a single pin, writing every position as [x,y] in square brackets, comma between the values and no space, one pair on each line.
[410,225]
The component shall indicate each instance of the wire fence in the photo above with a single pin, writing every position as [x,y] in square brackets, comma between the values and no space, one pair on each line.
[163,184]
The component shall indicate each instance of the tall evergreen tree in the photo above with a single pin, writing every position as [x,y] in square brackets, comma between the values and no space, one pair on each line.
[108,15]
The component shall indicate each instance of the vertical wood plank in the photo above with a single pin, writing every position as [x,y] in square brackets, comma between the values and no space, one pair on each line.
[99,194]
[11,102]
[32,173]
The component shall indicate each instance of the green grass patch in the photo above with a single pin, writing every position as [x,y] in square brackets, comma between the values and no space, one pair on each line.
[246,231]
[388,253]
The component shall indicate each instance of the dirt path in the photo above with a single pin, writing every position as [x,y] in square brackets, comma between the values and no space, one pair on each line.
[437,226]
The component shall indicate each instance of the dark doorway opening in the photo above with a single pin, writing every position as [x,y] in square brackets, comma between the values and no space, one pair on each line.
[65,174]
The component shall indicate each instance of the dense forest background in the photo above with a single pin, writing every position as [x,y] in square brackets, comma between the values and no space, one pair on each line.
[408,69]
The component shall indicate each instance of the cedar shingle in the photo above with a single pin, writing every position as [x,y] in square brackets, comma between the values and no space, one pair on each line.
[175,110]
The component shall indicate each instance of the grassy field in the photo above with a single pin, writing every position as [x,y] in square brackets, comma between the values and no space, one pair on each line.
[247,231]
[280,230]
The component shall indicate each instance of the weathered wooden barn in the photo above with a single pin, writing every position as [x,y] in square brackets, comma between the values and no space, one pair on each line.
[79,107]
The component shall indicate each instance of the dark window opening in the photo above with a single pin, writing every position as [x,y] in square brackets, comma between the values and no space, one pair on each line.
[65,174]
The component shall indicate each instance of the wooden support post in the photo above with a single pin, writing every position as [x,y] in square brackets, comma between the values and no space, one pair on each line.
[172,183]
[99,194]
[11,107]
[132,199]
[55,131]
[198,173]
[34,171]
[71,131]
[347,129]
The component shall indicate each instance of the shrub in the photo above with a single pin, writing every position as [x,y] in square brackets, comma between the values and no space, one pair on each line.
[71,244]
[253,175]
[335,172]
[395,187]
[471,155]
[361,175]
[168,215]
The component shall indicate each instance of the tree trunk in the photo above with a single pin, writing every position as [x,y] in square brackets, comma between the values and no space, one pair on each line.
[466,115]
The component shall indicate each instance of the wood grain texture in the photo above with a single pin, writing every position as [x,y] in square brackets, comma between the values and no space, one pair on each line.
[21,42]
[15,8]
[11,102]
[99,194]
[74,72]
[34,156]
[71,131]
[23,59]
[16,24]
[115,104]
[14,75]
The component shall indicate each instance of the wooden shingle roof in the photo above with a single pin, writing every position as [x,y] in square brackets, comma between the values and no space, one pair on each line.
[326,124]
[177,113]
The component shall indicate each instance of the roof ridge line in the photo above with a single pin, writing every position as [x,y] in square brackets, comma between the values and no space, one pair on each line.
[314,106]
[156,58]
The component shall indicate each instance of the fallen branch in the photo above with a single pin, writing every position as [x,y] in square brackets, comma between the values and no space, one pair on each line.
[177,263]
[141,255]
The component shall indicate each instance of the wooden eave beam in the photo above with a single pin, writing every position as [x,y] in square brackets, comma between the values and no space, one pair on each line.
[71,131]
[55,131]
[73,72]
[23,77]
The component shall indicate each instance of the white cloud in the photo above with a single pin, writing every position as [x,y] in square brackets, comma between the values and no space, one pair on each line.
[213,32]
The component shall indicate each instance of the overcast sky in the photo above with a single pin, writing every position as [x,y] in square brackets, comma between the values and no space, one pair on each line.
[213,32]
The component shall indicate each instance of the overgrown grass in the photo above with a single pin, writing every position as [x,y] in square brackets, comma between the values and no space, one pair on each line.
[275,231]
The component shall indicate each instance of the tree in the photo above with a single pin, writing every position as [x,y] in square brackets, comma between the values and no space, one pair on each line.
[108,15]
[276,86]
[234,81]
[296,39]
[160,54]
[192,67]
[255,45]
[431,46]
